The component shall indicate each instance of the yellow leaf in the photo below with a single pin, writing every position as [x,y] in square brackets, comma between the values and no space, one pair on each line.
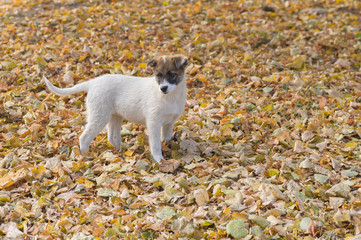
[226,131]
[38,171]
[220,39]
[80,180]
[83,57]
[13,142]
[11,28]
[12,178]
[4,198]
[224,121]
[59,37]
[76,151]
[273,172]
[129,153]
[143,65]
[41,61]
[242,216]
[201,77]
[299,62]
[212,234]
[78,166]
[246,57]
[226,211]
[88,184]
[351,145]
[269,107]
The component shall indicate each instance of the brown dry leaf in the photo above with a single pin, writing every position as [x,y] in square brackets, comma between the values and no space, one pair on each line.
[201,197]
[158,226]
[66,195]
[323,102]
[169,166]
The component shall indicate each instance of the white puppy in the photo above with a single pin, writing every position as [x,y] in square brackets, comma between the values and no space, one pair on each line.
[155,102]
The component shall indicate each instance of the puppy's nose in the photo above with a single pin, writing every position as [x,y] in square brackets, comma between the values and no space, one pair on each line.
[164,89]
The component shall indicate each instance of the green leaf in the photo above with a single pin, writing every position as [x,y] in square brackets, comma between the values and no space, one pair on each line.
[147,235]
[105,192]
[110,233]
[250,107]
[235,120]
[321,178]
[166,213]
[350,173]
[267,89]
[190,166]
[237,229]
[305,223]
[257,231]
[260,221]
[295,176]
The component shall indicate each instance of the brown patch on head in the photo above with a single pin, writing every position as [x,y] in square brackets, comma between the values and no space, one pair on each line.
[169,68]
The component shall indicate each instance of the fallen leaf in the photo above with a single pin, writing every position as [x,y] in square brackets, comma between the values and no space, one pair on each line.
[201,197]
[169,166]
[237,229]
[166,213]
[11,231]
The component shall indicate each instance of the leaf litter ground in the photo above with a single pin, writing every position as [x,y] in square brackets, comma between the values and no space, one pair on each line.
[268,147]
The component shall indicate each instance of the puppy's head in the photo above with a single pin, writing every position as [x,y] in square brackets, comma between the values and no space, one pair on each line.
[169,71]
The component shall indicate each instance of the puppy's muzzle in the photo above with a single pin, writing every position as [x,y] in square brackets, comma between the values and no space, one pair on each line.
[164,89]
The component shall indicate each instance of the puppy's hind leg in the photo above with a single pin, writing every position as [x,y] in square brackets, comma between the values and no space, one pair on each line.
[95,124]
[114,127]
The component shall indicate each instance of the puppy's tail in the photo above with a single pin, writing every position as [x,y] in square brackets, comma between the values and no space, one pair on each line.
[81,87]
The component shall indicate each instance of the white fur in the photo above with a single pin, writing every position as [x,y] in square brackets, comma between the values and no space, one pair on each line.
[112,98]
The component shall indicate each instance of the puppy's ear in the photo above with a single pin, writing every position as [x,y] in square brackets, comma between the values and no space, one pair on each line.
[180,61]
[152,63]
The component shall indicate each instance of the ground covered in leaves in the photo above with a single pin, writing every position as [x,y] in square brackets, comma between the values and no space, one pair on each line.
[268,147]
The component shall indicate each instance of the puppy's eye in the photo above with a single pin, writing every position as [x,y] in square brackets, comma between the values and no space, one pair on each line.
[159,75]
[173,75]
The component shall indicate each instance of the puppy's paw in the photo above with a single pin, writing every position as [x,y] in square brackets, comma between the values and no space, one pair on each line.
[84,149]
[158,158]
[169,138]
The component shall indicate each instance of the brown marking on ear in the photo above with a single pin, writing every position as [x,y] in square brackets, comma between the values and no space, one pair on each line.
[152,63]
[180,61]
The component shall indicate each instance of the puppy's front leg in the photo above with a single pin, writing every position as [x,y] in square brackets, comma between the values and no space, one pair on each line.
[154,140]
[167,131]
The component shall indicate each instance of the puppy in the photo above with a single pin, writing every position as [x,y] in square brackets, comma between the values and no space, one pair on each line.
[155,102]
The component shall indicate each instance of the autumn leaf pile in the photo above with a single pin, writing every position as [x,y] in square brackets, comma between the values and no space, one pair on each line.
[268,147]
